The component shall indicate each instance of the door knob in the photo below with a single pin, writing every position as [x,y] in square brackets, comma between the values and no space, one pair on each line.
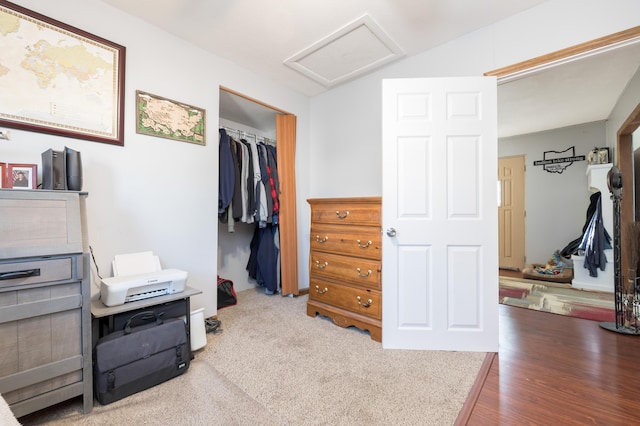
[391,232]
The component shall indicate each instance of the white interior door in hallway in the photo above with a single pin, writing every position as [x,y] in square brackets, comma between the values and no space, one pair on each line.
[439,209]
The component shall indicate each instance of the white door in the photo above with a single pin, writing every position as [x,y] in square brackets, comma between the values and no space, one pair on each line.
[439,214]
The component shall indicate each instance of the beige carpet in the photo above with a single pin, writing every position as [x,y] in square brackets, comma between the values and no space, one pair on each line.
[6,416]
[274,365]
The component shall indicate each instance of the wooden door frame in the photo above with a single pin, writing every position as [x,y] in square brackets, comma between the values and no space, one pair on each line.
[288,225]
[560,56]
[624,161]
[286,153]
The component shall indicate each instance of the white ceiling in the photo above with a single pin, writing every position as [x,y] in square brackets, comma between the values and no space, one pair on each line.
[311,46]
[262,34]
[579,91]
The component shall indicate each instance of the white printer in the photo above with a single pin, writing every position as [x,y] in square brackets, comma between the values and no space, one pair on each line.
[139,276]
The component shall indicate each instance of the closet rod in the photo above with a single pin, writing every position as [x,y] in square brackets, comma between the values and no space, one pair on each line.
[247,134]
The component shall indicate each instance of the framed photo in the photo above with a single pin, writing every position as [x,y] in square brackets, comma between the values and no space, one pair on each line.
[165,118]
[603,155]
[22,176]
[3,175]
[59,79]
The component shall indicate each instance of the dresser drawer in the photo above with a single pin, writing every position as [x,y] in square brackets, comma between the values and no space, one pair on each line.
[362,211]
[30,272]
[360,241]
[358,271]
[363,301]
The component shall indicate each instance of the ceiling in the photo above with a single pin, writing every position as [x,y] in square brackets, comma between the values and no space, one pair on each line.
[312,46]
[578,91]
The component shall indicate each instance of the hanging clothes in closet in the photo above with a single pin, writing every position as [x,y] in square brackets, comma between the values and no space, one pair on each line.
[248,193]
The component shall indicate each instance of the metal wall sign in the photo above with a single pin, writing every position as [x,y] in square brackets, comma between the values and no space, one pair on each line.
[558,161]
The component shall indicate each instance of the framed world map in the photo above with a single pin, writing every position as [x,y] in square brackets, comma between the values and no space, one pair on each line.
[58,79]
[165,118]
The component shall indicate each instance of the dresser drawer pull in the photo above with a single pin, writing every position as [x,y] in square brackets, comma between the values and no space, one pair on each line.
[321,265]
[363,275]
[364,246]
[20,274]
[321,240]
[324,290]
[342,215]
[364,305]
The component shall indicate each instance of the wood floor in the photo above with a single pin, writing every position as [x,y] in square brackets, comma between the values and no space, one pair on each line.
[558,370]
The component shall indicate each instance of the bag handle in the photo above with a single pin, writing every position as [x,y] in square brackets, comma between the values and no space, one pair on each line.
[145,316]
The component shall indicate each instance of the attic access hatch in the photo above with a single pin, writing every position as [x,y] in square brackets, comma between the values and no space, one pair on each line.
[353,50]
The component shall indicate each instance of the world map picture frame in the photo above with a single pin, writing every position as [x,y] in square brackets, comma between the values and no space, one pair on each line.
[58,79]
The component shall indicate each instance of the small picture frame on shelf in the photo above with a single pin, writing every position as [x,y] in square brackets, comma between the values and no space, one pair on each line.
[592,157]
[3,175]
[603,155]
[21,176]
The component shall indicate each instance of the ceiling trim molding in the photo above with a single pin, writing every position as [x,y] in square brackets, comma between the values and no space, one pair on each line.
[319,54]
[254,100]
[592,47]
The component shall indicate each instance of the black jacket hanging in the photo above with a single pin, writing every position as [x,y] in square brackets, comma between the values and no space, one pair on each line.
[573,247]
[595,240]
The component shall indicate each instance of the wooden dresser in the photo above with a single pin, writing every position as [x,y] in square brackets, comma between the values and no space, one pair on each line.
[345,262]
[45,316]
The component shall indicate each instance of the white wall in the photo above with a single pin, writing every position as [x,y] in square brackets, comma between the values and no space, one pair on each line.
[556,203]
[624,108]
[157,194]
[628,102]
[161,195]
[346,129]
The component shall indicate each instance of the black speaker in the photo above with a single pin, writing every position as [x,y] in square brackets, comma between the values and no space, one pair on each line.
[73,163]
[54,175]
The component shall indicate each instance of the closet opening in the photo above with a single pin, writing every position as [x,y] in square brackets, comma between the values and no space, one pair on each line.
[249,122]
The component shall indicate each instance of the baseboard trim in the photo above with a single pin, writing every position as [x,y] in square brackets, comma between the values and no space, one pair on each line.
[467,408]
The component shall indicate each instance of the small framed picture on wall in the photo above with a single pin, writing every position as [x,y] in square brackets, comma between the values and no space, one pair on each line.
[3,175]
[22,176]
[603,155]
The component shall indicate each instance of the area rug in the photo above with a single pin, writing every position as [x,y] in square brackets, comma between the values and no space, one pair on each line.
[557,298]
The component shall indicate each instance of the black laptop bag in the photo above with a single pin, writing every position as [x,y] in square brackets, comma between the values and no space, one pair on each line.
[137,358]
